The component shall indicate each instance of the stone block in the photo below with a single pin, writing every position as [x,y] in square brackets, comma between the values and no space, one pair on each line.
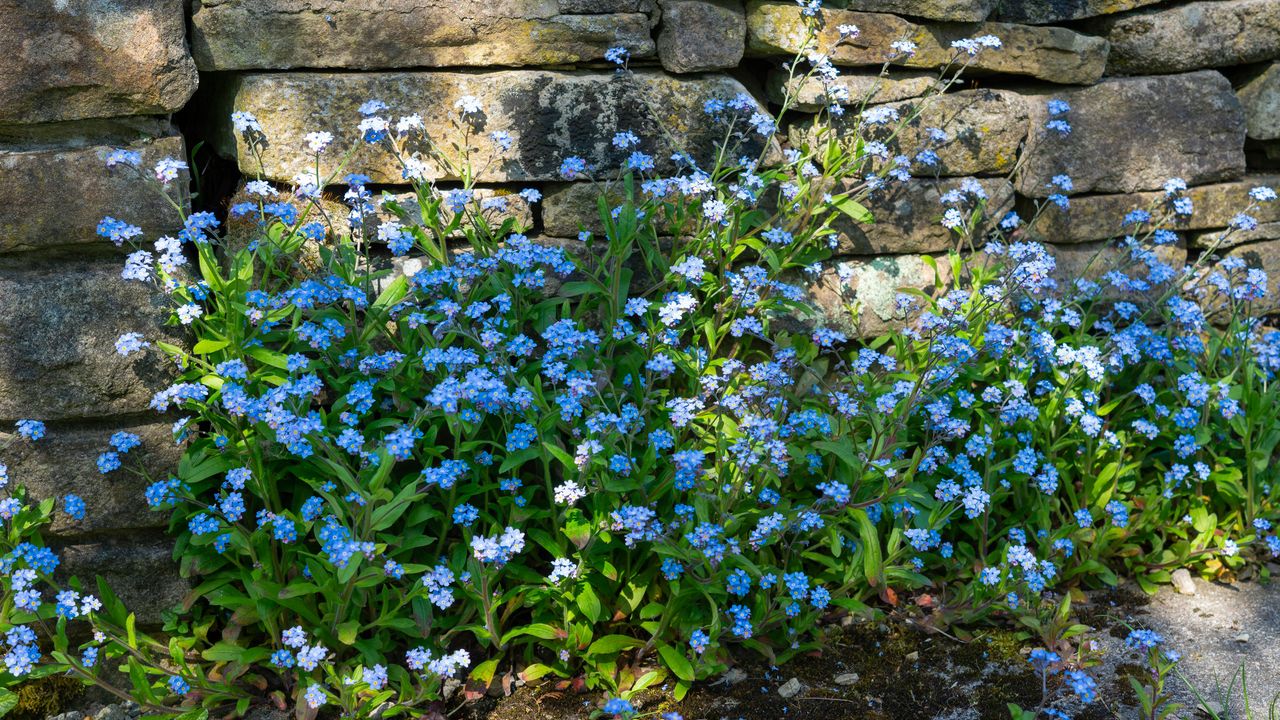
[907,217]
[139,569]
[1045,12]
[850,90]
[1260,97]
[56,196]
[382,34]
[59,326]
[960,10]
[1054,54]
[549,115]
[701,35]
[1101,217]
[65,461]
[1189,36]
[859,296]
[1133,134]
[984,129]
[74,59]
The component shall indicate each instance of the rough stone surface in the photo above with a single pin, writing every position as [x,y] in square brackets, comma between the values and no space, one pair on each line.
[984,127]
[370,34]
[65,462]
[1260,97]
[1264,254]
[1054,54]
[962,10]
[859,296]
[1182,582]
[1041,12]
[907,217]
[1222,239]
[549,114]
[701,35]
[1094,260]
[139,569]
[1175,38]
[1132,134]
[39,183]
[810,95]
[1100,217]
[59,326]
[73,59]
[1203,629]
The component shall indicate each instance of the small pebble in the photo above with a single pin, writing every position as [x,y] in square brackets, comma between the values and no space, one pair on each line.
[850,678]
[1242,638]
[790,688]
[913,656]
[1182,582]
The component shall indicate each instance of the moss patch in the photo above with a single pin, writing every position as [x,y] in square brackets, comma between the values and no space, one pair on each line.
[38,699]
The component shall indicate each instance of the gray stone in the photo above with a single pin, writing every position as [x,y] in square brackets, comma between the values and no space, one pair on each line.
[810,94]
[1260,97]
[1132,134]
[859,296]
[1092,261]
[1226,238]
[849,678]
[961,10]
[549,114]
[65,461]
[1265,255]
[907,217]
[1176,38]
[73,59]
[1043,12]
[1101,217]
[1182,582]
[375,34]
[984,130]
[701,35]
[59,326]
[57,196]
[1054,54]
[790,688]
[139,569]
[568,208]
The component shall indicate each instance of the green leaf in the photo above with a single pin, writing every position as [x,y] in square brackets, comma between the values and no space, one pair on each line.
[855,210]
[611,644]
[206,347]
[8,701]
[872,561]
[677,662]
[589,604]
[347,632]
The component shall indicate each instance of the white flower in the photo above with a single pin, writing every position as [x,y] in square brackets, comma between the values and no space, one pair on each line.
[569,492]
[318,141]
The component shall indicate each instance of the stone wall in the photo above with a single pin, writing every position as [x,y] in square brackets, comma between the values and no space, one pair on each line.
[1157,88]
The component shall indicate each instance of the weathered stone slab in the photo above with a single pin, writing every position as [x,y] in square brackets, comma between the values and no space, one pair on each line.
[1260,97]
[374,34]
[1054,54]
[64,461]
[701,35]
[1044,12]
[810,94]
[1132,134]
[1227,238]
[1101,217]
[58,330]
[75,59]
[1264,255]
[495,205]
[860,296]
[1093,261]
[984,129]
[961,10]
[57,196]
[908,217]
[549,115]
[140,570]
[1176,38]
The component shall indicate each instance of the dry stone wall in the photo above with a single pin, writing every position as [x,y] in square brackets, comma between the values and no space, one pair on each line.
[1158,89]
